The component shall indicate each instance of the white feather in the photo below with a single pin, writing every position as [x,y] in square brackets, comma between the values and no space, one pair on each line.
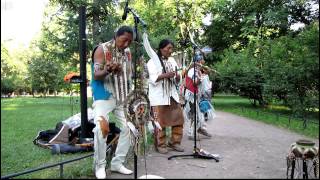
[153,55]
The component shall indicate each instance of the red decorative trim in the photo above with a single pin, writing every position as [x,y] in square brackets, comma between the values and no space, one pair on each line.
[190,85]
[108,56]
[128,55]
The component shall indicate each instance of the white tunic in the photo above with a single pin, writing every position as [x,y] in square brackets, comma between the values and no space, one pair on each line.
[157,94]
[205,83]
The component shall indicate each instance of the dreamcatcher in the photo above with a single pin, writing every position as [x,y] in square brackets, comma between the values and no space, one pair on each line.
[137,105]
[137,112]
[137,109]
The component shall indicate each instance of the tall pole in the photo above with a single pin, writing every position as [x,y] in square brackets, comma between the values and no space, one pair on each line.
[135,158]
[195,103]
[83,71]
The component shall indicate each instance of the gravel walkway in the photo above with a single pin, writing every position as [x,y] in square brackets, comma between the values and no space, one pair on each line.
[249,149]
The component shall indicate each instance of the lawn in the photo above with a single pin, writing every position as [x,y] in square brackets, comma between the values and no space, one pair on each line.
[275,114]
[22,118]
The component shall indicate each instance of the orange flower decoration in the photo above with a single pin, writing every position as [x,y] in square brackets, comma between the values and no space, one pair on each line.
[68,77]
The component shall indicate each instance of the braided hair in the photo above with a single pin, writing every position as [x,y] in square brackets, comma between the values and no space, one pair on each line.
[163,43]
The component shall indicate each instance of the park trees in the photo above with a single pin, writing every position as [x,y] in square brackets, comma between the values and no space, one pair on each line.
[172,19]
[285,69]
[7,71]
[261,56]
[14,75]
[257,53]
[291,68]
[56,50]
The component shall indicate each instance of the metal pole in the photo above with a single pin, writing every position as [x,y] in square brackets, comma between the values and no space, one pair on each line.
[135,165]
[61,171]
[305,169]
[47,166]
[135,158]
[195,103]
[83,71]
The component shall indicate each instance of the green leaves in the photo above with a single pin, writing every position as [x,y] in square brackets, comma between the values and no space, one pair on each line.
[44,74]
[13,70]
[284,70]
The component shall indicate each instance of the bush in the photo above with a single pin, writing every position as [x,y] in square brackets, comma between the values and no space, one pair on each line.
[284,70]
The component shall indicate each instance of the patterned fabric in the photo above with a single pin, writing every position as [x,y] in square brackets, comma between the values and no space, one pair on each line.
[119,85]
[168,83]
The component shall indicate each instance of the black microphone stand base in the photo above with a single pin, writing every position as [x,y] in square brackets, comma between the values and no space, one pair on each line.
[197,153]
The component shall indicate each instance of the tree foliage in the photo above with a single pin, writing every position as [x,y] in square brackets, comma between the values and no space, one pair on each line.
[13,70]
[237,23]
[172,19]
[7,71]
[285,69]
[58,44]
[256,52]
[241,73]
[292,67]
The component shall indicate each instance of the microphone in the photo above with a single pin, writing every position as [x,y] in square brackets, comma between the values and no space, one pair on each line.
[125,12]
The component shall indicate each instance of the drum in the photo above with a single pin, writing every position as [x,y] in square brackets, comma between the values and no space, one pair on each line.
[304,149]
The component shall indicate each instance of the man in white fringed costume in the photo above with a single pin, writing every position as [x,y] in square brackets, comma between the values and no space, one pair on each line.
[111,84]
[193,87]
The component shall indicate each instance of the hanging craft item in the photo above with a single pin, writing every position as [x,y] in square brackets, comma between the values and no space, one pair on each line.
[71,77]
[137,111]
[137,108]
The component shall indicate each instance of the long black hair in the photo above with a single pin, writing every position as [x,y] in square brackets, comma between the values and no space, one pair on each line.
[124,29]
[163,43]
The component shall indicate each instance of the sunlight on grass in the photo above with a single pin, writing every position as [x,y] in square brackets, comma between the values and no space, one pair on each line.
[278,107]
[313,110]
[9,108]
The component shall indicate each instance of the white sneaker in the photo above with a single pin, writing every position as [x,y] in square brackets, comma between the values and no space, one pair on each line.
[101,173]
[122,170]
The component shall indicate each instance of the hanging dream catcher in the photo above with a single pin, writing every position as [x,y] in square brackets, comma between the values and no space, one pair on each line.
[136,109]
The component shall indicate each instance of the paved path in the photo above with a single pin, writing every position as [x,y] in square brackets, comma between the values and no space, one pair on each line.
[249,149]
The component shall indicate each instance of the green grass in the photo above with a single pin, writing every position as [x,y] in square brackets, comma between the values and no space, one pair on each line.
[276,114]
[21,120]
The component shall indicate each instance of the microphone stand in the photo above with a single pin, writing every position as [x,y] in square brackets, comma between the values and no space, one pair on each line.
[197,153]
[138,53]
